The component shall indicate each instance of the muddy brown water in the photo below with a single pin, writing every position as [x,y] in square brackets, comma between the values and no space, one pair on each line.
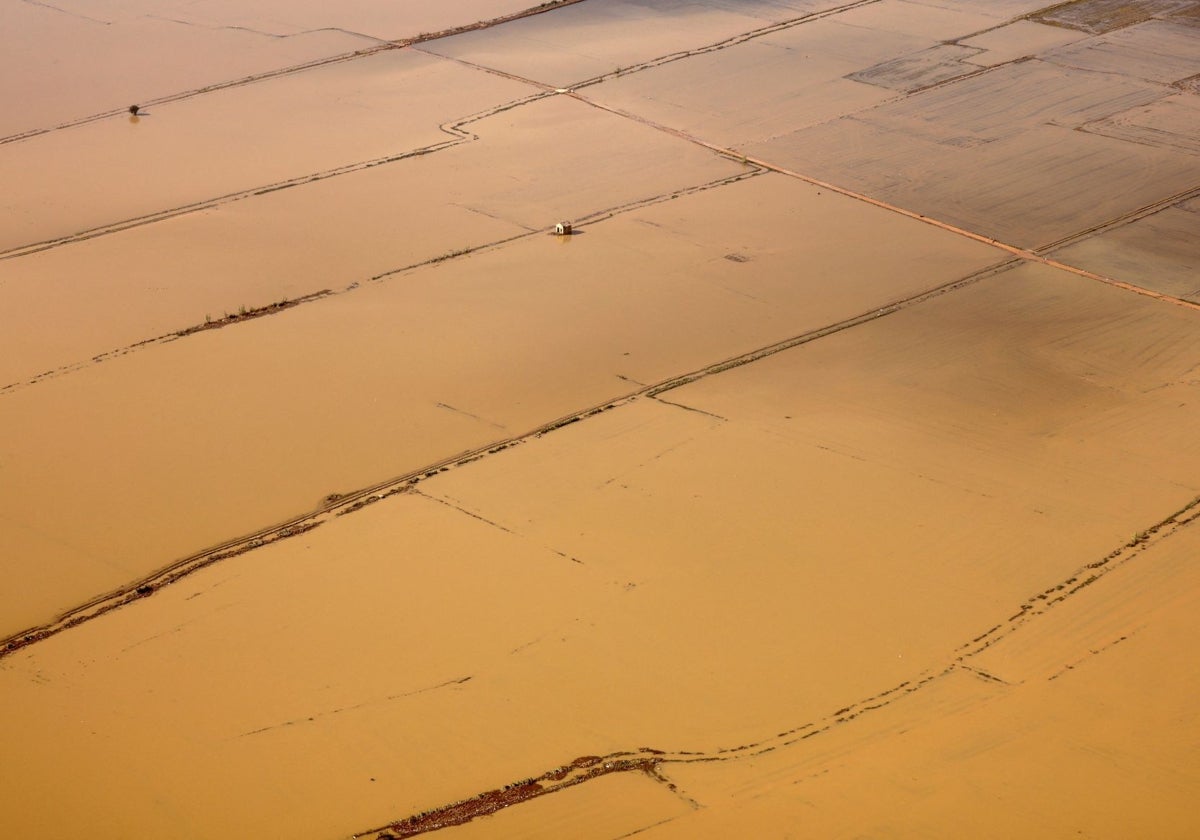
[754,507]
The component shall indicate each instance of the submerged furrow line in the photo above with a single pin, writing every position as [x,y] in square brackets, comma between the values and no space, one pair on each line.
[732,41]
[650,760]
[658,61]
[455,129]
[1083,577]
[188,94]
[458,136]
[224,321]
[831,329]
[458,132]
[541,8]
[288,303]
[1035,255]
[334,505]
[1030,255]
[339,504]
[300,68]
[1120,221]
[582,769]
[217,201]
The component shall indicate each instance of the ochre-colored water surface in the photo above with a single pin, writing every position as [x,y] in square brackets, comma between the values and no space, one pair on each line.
[837,476]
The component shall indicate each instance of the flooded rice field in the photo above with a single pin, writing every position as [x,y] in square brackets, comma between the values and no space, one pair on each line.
[837,475]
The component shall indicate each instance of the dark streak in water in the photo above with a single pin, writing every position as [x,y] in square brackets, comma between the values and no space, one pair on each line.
[650,761]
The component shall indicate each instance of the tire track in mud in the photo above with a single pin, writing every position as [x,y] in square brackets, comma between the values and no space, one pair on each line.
[341,504]
[652,761]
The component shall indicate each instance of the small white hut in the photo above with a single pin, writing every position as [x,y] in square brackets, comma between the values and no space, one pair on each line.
[563,228]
